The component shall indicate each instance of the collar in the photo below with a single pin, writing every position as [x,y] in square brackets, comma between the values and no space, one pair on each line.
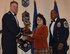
[13,13]
[55,19]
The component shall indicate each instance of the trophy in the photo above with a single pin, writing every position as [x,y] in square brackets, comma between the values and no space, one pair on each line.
[25,32]
[24,45]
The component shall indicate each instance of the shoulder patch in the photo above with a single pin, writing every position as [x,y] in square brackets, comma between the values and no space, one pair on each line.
[66,24]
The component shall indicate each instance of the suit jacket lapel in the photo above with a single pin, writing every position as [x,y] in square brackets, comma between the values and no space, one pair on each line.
[13,18]
[50,27]
[55,25]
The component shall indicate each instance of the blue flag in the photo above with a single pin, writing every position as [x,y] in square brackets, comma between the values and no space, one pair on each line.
[34,25]
[56,8]
[35,14]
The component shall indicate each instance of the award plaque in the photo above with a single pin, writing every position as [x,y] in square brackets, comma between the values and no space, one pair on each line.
[25,32]
[25,3]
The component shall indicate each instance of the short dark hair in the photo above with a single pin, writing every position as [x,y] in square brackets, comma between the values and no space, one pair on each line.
[42,17]
[13,2]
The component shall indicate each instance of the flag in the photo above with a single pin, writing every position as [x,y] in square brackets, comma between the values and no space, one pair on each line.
[34,24]
[35,14]
[56,8]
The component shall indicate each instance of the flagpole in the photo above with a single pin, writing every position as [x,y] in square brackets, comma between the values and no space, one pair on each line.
[34,0]
[54,0]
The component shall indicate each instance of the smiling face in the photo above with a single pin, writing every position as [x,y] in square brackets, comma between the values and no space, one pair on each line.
[53,14]
[14,8]
[39,21]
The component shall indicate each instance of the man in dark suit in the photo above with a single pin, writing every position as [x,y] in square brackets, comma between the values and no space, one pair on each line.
[59,32]
[10,30]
